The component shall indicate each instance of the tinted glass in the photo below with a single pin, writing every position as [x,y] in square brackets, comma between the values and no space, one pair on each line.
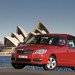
[48,40]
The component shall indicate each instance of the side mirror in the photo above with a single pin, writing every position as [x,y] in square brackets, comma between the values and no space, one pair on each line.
[61,44]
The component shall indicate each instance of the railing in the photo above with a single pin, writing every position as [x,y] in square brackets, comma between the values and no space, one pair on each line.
[5,62]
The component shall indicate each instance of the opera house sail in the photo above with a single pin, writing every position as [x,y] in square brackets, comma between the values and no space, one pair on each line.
[21,36]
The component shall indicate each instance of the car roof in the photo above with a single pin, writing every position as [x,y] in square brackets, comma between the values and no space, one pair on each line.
[55,34]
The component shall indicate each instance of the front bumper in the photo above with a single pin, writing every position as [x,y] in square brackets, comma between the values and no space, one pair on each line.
[31,59]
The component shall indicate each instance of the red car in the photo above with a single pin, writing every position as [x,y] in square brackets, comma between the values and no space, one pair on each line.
[47,50]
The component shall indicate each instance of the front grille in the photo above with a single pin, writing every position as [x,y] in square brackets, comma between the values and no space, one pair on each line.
[20,51]
[25,60]
[24,51]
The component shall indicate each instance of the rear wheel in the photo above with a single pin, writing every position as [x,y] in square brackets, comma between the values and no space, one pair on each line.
[18,66]
[52,63]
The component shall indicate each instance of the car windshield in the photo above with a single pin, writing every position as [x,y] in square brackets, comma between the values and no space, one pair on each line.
[48,40]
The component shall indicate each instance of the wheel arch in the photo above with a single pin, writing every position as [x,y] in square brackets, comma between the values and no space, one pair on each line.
[53,55]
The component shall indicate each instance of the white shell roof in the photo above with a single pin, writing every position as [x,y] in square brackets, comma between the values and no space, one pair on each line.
[23,31]
[18,37]
[13,40]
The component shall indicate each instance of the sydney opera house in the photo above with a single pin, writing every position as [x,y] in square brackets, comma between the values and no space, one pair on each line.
[15,38]
[21,36]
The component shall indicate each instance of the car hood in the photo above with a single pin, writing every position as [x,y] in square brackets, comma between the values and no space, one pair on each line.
[35,47]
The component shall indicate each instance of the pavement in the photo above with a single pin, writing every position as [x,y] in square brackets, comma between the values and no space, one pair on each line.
[11,71]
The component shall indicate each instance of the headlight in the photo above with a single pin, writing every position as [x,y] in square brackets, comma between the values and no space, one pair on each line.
[41,51]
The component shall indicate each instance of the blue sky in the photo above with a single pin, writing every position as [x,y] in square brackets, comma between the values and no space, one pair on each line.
[57,15]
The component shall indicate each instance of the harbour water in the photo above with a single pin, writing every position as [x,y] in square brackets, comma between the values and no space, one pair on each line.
[5,62]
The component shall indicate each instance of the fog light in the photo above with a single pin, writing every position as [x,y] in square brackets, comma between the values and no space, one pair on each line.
[37,60]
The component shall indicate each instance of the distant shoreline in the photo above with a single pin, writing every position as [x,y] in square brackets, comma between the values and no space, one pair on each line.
[5,53]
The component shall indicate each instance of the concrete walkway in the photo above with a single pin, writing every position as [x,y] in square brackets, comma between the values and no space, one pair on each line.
[11,71]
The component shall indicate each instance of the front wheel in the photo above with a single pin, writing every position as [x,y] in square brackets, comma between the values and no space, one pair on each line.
[18,66]
[52,63]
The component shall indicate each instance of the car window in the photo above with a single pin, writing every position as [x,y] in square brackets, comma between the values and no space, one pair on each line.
[71,42]
[47,40]
[62,39]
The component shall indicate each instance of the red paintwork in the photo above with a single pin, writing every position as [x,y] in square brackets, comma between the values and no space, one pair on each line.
[64,55]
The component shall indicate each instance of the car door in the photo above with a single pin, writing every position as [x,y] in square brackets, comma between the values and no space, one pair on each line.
[62,52]
[71,50]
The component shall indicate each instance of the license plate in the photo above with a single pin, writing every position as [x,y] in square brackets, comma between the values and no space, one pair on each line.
[21,56]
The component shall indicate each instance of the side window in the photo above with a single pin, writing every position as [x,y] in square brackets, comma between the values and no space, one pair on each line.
[62,39]
[71,42]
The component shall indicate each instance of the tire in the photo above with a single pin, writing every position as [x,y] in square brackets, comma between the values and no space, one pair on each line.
[52,63]
[18,66]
